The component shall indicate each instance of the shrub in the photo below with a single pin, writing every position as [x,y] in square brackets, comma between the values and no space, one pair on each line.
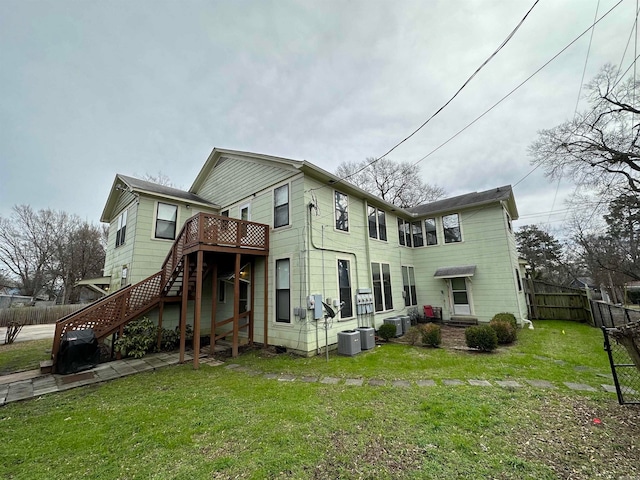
[431,335]
[482,337]
[170,339]
[387,331]
[506,317]
[413,336]
[504,331]
[139,337]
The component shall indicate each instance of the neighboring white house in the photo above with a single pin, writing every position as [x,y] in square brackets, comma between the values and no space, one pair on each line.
[326,237]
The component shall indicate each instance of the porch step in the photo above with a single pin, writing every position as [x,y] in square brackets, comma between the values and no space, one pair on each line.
[46,366]
[462,321]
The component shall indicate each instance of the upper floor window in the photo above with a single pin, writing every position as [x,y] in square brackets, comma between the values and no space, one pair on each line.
[166,218]
[404,232]
[122,228]
[416,234]
[342,211]
[377,223]
[281,206]
[451,227]
[509,225]
[430,231]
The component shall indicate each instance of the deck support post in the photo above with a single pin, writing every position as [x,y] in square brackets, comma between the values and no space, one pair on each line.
[265,314]
[197,309]
[214,304]
[236,306]
[183,306]
[252,294]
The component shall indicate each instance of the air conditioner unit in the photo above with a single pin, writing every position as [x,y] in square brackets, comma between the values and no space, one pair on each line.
[398,324]
[367,337]
[348,342]
[406,323]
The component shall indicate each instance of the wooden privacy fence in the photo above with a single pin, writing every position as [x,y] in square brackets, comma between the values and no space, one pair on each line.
[36,315]
[546,301]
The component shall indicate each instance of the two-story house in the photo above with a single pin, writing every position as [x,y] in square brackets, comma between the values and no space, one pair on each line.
[264,234]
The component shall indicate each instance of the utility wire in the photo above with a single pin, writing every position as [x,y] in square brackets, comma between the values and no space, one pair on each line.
[500,47]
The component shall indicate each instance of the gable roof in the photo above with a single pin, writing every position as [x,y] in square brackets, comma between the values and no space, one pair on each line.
[136,185]
[474,199]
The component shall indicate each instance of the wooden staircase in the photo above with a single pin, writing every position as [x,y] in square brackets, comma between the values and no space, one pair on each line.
[201,232]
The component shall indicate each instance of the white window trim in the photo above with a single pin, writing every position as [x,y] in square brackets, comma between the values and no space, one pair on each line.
[353,310]
[335,217]
[155,218]
[439,229]
[468,285]
[273,207]
[247,205]
[125,211]
[386,220]
[409,279]
[275,322]
[462,237]
[384,301]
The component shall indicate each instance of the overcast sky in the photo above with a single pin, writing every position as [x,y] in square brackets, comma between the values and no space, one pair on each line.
[89,89]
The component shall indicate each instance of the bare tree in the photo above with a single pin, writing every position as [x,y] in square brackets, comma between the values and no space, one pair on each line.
[598,148]
[395,182]
[27,247]
[160,178]
[46,249]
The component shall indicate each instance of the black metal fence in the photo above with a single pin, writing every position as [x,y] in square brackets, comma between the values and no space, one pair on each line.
[626,375]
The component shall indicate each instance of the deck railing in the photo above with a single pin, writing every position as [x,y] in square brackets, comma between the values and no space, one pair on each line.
[107,314]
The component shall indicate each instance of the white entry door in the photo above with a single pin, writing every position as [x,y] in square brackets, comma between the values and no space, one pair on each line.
[460,296]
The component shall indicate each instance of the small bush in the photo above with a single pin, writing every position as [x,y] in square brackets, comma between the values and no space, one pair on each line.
[387,331]
[506,317]
[413,336]
[139,337]
[482,337]
[431,335]
[504,331]
[170,339]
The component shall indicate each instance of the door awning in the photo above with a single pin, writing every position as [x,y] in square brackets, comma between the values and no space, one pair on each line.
[454,272]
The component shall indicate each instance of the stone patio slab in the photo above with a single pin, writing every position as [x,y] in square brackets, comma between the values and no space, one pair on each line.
[426,383]
[580,387]
[479,383]
[452,382]
[270,376]
[286,378]
[401,383]
[376,382]
[309,379]
[330,380]
[508,383]
[354,382]
[541,384]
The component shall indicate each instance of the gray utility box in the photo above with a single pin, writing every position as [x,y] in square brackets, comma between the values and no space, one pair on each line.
[367,337]
[406,323]
[398,324]
[349,342]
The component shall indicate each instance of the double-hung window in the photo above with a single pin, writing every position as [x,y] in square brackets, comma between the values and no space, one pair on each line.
[382,295]
[416,234]
[166,218]
[409,283]
[342,211]
[377,223]
[344,285]
[451,227]
[283,291]
[281,206]
[122,228]
[404,232]
[430,231]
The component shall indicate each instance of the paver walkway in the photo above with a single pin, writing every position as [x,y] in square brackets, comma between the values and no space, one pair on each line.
[33,384]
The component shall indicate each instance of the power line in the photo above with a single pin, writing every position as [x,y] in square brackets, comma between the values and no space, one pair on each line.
[500,47]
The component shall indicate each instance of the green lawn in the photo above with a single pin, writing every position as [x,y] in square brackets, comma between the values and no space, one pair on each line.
[23,355]
[220,423]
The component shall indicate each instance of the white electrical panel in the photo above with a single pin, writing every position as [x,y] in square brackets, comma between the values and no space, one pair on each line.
[364,301]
